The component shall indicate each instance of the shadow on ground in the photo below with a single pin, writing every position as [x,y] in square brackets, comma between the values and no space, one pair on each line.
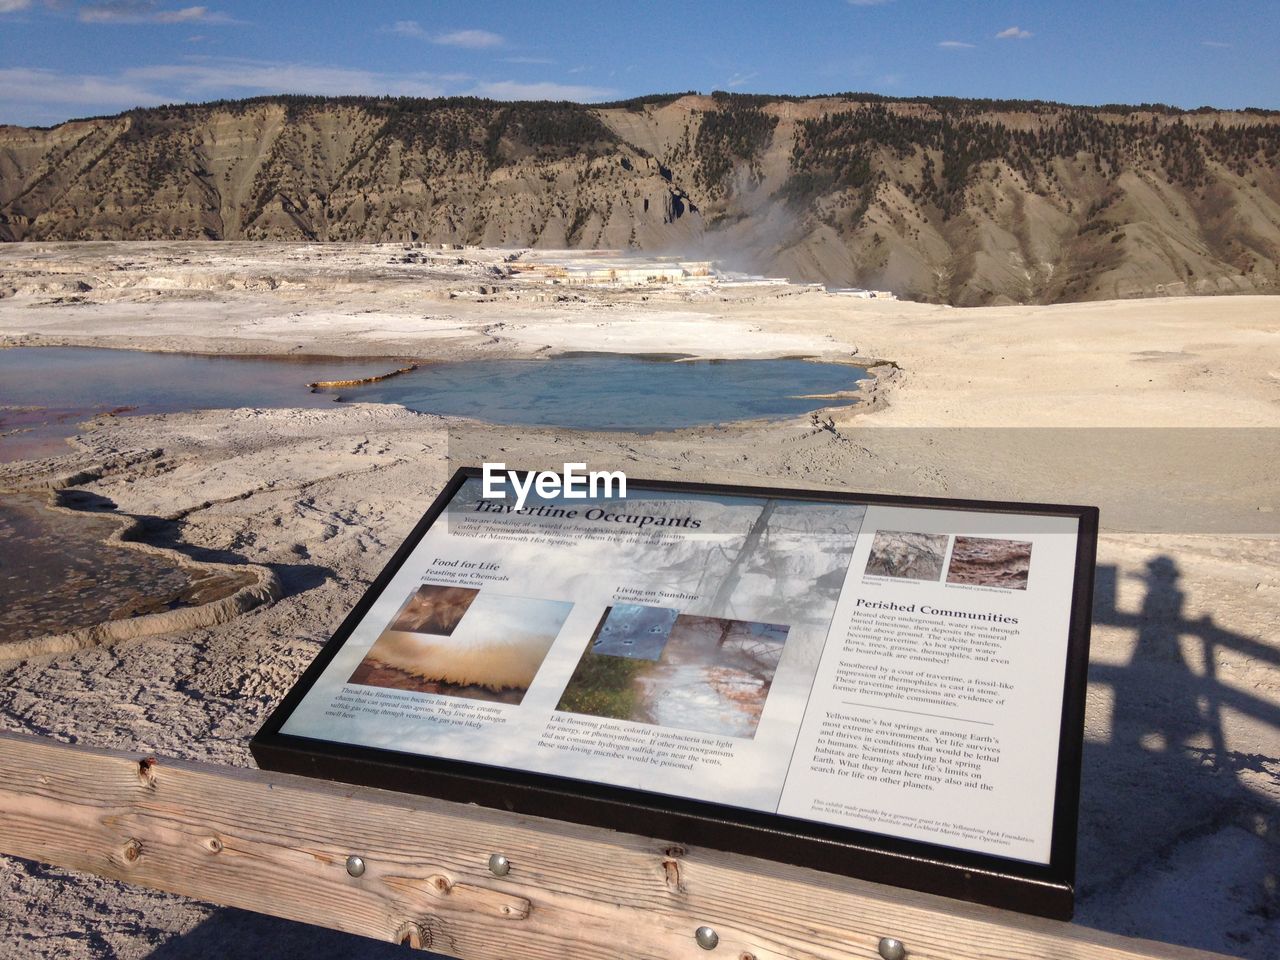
[1178,840]
[241,935]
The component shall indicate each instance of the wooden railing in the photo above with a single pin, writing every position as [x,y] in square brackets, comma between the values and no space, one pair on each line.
[284,846]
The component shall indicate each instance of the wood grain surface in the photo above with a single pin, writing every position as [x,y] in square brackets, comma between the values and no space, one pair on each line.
[278,844]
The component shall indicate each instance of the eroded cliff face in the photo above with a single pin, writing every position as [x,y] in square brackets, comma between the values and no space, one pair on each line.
[964,202]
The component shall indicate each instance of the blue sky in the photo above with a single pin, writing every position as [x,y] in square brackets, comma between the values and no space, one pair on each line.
[62,59]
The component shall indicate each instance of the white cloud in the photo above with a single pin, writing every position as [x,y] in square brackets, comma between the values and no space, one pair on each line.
[32,95]
[541,61]
[1013,33]
[186,15]
[738,79]
[868,3]
[409,28]
[511,90]
[955,45]
[1217,44]
[147,11]
[13,6]
[202,79]
[469,39]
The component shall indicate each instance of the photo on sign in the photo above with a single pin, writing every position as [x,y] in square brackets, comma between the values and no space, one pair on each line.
[708,674]
[492,650]
[634,630]
[434,609]
[907,556]
[987,562]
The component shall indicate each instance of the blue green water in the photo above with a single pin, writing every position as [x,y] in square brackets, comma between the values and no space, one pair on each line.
[609,392]
[590,392]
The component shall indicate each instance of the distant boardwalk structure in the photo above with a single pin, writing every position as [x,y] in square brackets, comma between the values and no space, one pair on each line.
[616,268]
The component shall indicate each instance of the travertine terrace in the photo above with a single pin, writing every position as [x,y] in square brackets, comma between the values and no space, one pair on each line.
[1163,412]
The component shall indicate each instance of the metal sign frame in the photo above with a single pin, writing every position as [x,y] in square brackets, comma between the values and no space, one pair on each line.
[1041,889]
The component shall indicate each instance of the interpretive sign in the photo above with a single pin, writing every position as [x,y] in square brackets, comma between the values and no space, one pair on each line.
[886,687]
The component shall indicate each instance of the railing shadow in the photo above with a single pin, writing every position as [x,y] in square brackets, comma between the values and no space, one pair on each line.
[1177,833]
[240,935]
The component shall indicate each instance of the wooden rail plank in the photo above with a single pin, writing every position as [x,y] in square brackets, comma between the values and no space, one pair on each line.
[278,844]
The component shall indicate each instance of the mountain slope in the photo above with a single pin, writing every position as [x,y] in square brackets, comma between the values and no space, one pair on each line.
[963,202]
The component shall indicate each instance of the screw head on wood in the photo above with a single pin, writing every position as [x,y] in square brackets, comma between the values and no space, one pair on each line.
[891,949]
[499,865]
[355,866]
[706,937]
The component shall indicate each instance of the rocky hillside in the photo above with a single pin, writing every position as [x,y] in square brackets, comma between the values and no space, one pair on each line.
[964,202]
